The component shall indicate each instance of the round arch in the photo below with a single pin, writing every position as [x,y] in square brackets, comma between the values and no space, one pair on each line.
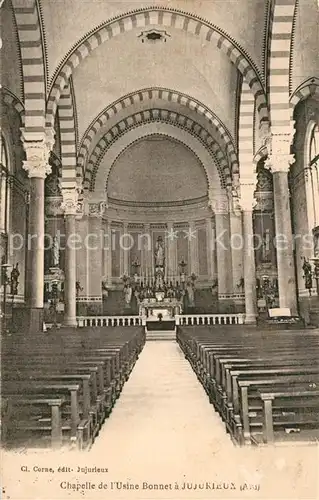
[308,88]
[162,94]
[97,177]
[163,116]
[157,16]
[12,100]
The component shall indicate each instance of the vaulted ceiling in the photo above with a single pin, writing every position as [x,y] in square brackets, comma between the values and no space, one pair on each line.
[194,70]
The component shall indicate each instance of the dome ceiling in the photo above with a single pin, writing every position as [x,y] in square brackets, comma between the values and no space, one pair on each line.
[159,170]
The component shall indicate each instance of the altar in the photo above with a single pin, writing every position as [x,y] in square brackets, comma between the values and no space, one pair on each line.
[152,309]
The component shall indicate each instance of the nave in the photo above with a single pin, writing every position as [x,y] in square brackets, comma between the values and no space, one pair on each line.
[163,430]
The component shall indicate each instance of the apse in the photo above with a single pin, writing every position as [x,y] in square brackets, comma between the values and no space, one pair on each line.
[157,169]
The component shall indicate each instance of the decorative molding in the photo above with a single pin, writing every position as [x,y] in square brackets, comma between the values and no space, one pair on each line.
[279,162]
[69,204]
[37,162]
[53,206]
[154,36]
[264,201]
[161,204]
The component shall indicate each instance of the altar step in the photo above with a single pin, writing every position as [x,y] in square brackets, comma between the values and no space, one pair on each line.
[160,334]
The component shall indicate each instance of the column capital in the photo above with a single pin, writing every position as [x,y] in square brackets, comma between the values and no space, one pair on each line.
[96,204]
[96,209]
[218,201]
[247,200]
[70,204]
[37,153]
[279,162]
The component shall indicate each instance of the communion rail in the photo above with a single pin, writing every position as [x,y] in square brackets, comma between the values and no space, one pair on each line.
[210,319]
[181,319]
[109,321]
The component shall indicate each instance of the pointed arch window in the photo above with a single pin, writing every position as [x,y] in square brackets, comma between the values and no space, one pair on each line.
[4,187]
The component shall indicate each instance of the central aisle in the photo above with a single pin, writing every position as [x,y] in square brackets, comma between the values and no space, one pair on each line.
[163,433]
[163,430]
[163,416]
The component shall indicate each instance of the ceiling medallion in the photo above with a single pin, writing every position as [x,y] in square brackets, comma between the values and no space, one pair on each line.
[153,36]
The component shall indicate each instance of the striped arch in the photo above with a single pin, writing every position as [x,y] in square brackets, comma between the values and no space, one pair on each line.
[32,56]
[262,154]
[68,137]
[8,98]
[97,180]
[157,16]
[281,26]
[156,94]
[159,116]
[308,88]
[246,135]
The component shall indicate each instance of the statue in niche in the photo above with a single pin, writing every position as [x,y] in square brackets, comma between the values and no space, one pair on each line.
[265,248]
[159,253]
[264,180]
[55,252]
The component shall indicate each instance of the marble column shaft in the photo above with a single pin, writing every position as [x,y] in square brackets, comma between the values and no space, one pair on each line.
[210,249]
[223,251]
[35,267]
[284,242]
[249,268]
[70,272]
[172,252]
[193,249]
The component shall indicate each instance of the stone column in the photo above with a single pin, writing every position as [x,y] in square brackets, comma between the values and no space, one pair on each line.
[192,250]
[95,244]
[69,206]
[172,252]
[125,249]
[236,231]
[37,166]
[107,269]
[247,201]
[224,263]
[210,249]
[147,251]
[279,163]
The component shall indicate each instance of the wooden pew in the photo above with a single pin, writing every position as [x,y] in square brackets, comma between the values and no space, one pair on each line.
[256,356]
[306,395]
[99,364]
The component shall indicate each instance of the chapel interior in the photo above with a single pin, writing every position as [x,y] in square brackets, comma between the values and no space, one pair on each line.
[176,146]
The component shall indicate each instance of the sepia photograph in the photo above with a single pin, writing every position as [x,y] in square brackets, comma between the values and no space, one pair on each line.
[159,249]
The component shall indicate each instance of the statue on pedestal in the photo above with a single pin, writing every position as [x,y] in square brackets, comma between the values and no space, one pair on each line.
[55,252]
[190,294]
[128,294]
[307,270]
[265,249]
[15,273]
[159,253]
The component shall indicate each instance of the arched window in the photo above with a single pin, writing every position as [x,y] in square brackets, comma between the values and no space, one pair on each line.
[314,171]
[4,187]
